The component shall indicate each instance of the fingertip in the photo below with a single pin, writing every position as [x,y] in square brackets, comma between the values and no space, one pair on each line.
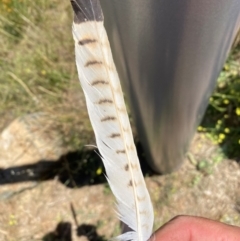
[186,228]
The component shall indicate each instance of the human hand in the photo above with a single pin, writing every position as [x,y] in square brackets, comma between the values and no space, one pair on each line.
[187,228]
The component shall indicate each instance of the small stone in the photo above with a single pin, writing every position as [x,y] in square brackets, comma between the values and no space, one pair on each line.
[30,139]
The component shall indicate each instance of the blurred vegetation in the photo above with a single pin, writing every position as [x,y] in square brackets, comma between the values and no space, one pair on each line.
[37,73]
[30,59]
[37,67]
[222,118]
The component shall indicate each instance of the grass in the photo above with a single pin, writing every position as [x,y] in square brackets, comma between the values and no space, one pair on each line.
[222,118]
[37,70]
[32,65]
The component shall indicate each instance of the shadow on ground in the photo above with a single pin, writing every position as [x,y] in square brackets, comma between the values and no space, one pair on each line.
[63,231]
[75,169]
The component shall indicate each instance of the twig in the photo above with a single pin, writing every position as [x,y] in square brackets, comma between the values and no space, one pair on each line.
[26,88]
[74,214]
[47,91]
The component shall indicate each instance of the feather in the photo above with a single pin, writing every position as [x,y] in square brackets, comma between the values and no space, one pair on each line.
[109,118]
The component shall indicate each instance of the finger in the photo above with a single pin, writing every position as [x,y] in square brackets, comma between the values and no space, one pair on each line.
[186,228]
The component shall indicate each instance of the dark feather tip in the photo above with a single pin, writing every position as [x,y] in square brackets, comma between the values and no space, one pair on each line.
[86,10]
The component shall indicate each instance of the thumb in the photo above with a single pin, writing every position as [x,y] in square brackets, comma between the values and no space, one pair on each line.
[187,228]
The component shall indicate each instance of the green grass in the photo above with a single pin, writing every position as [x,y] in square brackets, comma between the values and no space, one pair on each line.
[222,119]
[37,66]
[35,53]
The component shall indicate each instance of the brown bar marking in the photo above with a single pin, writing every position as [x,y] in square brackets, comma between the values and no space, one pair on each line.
[93,62]
[108,118]
[114,135]
[120,151]
[86,41]
[97,82]
[104,101]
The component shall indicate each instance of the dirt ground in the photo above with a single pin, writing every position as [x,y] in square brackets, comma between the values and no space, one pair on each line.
[206,185]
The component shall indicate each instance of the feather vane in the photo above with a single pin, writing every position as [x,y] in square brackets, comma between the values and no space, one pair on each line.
[109,118]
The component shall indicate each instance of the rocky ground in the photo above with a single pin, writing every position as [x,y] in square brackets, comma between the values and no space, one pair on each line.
[63,207]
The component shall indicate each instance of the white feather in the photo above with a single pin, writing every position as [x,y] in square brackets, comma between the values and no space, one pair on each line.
[108,115]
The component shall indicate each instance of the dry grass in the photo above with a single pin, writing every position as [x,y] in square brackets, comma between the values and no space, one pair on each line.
[37,69]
